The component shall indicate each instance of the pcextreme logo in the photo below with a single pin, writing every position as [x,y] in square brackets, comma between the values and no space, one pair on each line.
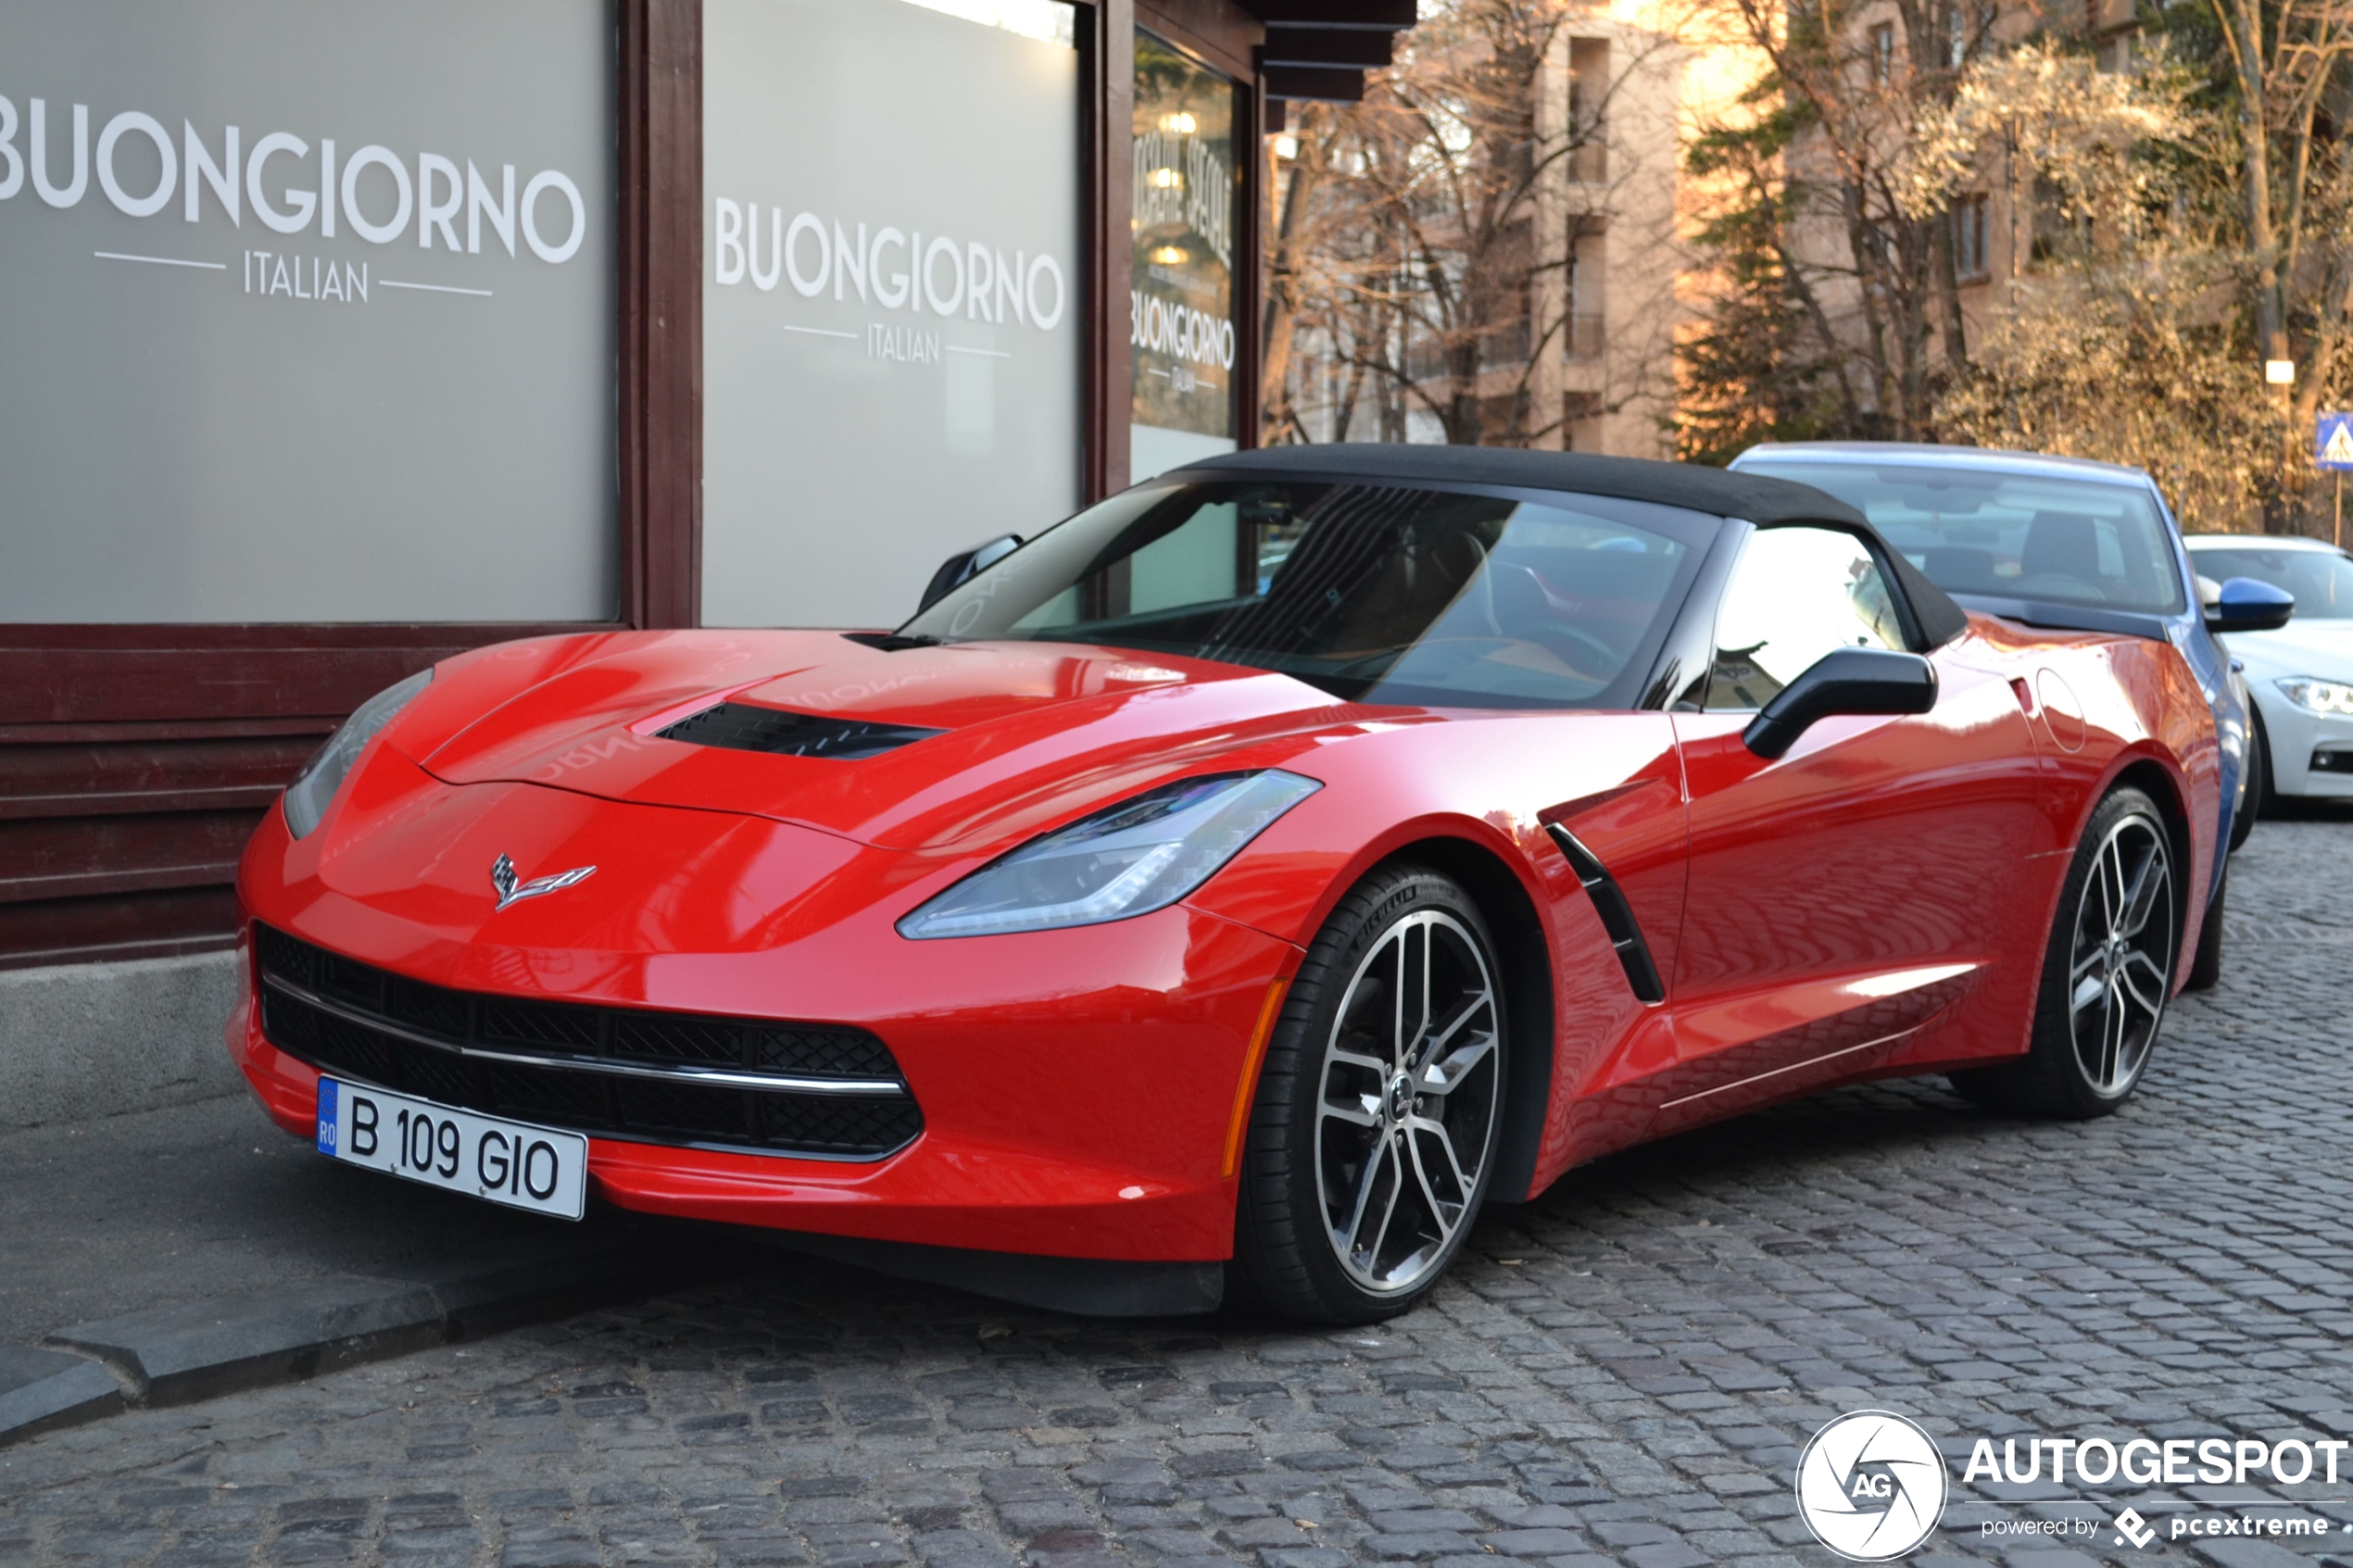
[1871,1486]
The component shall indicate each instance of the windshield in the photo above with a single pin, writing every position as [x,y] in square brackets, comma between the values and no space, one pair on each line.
[2011,535]
[2320,580]
[1380,594]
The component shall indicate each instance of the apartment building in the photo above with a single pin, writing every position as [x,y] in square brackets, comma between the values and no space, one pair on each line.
[1572,335]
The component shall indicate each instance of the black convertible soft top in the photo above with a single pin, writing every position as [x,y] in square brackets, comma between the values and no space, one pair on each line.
[1753,497]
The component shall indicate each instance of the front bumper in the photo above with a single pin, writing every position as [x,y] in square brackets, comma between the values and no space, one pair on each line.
[2303,746]
[1080,1091]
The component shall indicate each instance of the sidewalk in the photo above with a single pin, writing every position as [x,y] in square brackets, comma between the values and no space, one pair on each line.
[197,1248]
[124,1213]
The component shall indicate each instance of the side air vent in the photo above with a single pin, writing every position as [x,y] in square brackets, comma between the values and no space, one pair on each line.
[741,726]
[1617,915]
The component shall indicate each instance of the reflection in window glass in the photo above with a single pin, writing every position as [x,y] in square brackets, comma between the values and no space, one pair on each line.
[1375,594]
[2320,580]
[2008,535]
[1797,594]
[1180,302]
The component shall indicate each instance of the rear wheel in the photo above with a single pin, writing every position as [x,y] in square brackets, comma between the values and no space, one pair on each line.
[1378,1109]
[2105,974]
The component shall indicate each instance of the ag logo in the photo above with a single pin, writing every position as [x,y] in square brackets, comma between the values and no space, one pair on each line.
[1871,1486]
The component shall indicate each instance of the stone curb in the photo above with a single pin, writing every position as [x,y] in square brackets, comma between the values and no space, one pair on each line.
[285,1333]
[41,1390]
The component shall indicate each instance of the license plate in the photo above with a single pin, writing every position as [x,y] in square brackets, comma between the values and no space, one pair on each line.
[510,1162]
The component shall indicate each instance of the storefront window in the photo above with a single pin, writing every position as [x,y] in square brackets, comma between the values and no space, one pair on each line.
[891,306]
[309,311]
[1181,299]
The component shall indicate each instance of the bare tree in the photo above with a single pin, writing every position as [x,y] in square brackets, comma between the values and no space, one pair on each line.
[1405,239]
[1814,200]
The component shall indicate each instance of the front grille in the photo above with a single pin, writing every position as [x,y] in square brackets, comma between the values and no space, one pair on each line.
[619,1072]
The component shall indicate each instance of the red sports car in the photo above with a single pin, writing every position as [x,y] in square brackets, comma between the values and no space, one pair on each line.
[1228,890]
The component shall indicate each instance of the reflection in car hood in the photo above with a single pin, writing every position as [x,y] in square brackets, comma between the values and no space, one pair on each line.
[1028,731]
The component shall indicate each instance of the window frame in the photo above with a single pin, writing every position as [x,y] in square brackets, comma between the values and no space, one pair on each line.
[1906,616]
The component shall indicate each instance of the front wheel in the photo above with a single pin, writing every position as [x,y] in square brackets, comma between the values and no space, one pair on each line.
[2206,961]
[2260,799]
[2105,974]
[1378,1109]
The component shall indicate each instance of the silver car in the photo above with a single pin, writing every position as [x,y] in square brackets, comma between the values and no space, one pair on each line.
[2301,676]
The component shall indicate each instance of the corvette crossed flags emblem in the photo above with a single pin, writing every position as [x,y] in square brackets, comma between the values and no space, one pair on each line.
[513,890]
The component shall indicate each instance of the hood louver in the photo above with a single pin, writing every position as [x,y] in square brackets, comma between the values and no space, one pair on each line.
[741,726]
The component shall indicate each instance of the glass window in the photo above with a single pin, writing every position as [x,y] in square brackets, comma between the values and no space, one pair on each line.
[311,312]
[2320,580]
[1181,297]
[1375,594]
[893,300]
[1797,594]
[1970,235]
[2011,535]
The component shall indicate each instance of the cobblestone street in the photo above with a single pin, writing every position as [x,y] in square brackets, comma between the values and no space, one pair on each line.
[1623,1373]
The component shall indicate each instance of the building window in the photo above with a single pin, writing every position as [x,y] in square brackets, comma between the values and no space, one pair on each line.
[1581,421]
[1181,291]
[1883,53]
[1969,258]
[894,272]
[1588,94]
[1581,328]
[387,398]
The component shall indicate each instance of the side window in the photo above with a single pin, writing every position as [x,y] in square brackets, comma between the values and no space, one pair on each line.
[1797,594]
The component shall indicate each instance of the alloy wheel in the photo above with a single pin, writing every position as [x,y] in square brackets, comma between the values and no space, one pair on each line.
[2121,967]
[1405,1121]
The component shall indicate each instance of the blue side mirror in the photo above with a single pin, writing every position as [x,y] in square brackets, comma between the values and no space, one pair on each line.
[2246,605]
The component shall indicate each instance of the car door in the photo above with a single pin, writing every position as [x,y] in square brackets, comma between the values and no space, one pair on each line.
[1841,896]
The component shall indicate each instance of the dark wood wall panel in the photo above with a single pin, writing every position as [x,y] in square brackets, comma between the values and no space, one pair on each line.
[1218,30]
[1107,68]
[164,924]
[41,778]
[136,760]
[661,369]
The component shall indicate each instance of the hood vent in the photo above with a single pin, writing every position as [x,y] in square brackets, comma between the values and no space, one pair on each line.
[742,726]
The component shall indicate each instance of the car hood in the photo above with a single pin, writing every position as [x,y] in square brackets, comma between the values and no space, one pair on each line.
[1027,733]
[2314,647]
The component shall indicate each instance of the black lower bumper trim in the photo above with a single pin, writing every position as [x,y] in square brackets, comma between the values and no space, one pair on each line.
[1087,1287]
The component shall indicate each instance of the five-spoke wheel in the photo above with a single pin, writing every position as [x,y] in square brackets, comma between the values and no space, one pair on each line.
[2123,956]
[2106,975]
[1407,1117]
[1379,1107]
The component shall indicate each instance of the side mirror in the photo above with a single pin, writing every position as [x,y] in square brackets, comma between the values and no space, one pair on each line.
[2246,605]
[965,565]
[1872,681]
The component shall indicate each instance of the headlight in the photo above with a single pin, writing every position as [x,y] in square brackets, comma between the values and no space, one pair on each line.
[2316,695]
[315,786]
[1130,859]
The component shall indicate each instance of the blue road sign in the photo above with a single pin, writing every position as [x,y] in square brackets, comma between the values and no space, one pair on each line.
[2332,443]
